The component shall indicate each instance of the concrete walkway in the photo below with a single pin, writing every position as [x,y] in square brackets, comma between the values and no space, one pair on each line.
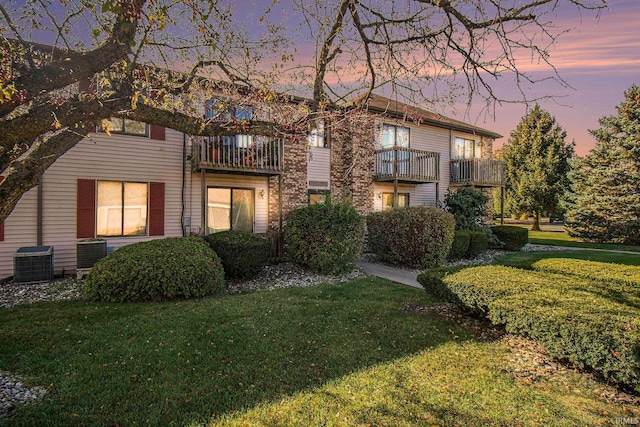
[405,277]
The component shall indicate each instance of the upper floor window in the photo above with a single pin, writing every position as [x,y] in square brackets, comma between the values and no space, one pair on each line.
[221,110]
[125,126]
[464,149]
[394,136]
[317,137]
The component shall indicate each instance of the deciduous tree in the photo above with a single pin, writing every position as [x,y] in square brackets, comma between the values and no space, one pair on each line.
[419,47]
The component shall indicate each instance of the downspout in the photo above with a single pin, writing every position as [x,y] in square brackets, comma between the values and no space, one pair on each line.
[280,225]
[39,215]
[184,179]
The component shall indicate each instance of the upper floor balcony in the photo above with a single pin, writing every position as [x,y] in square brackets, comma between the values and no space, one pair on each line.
[406,165]
[477,173]
[241,154]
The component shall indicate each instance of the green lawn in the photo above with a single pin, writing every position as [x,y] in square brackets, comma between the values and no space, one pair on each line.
[343,354]
[601,256]
[557,236]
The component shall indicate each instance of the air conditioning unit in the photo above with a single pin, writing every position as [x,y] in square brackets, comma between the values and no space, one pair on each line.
[33,264]
[89,251]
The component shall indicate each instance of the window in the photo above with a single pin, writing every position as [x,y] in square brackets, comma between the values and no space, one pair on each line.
[121,208]
[121,125]
[217,109]
[387,200]
[244,112]
[464,149]
[394,136]
[317,196]
[229,209]
[317,137]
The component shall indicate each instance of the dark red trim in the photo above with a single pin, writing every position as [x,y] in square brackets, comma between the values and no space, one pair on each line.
[157,132]
[156,209]
[86,211]
[1,223]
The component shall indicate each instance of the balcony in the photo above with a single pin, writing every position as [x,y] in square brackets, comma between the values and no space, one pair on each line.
[406,165]
[477,173]
[240,154]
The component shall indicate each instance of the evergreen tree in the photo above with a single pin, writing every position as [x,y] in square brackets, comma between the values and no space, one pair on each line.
[604,205]
[537,163]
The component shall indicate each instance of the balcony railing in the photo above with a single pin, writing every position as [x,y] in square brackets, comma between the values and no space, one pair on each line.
[406,165]
[477,172]
[259,155]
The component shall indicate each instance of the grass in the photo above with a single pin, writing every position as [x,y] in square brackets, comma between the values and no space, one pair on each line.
[558,236]
[528,258]
[331,355]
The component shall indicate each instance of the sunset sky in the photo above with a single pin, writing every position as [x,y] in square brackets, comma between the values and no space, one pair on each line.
[600,60]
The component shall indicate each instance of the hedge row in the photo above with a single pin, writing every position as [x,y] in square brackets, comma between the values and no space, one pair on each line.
[478,243]
[513,238]
[575,319]
[622,274]
[468,244]
[460,245]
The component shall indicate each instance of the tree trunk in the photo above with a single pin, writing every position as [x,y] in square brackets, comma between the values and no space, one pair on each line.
[536,222]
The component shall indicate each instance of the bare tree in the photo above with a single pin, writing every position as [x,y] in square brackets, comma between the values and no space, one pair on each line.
[148,61]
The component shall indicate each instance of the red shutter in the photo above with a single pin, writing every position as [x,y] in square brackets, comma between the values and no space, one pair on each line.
[156,209]
[86,211]
[156,132]
[1,223]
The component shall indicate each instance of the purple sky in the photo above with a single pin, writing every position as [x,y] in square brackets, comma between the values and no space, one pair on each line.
[600,59]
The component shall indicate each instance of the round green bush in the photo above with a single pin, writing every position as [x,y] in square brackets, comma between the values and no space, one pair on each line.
[478,243]
[242,254]
[512,237]
[325,237]
[415,236]
[157,270]
[460,245]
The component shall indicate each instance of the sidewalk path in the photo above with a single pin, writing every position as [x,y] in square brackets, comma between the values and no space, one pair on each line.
[405,277]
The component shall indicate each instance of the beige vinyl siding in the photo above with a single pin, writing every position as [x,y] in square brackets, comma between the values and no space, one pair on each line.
[428,138]
[319,168]
[19,230]
[102,157]
[257,183]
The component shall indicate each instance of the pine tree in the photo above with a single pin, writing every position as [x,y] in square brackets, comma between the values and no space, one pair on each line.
[537,163]
[604,205]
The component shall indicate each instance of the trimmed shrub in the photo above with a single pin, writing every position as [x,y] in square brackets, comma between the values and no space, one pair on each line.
[590,323]
[157,270]
[432,281]
[242,254]
[468,207]
[602,271]
[478,243]
[513,238]
[325,237]
[415,236]
[460,245]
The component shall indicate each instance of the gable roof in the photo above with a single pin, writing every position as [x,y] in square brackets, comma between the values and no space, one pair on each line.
[399,110]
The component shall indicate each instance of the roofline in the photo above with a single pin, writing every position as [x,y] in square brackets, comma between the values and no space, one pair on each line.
[446,123]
